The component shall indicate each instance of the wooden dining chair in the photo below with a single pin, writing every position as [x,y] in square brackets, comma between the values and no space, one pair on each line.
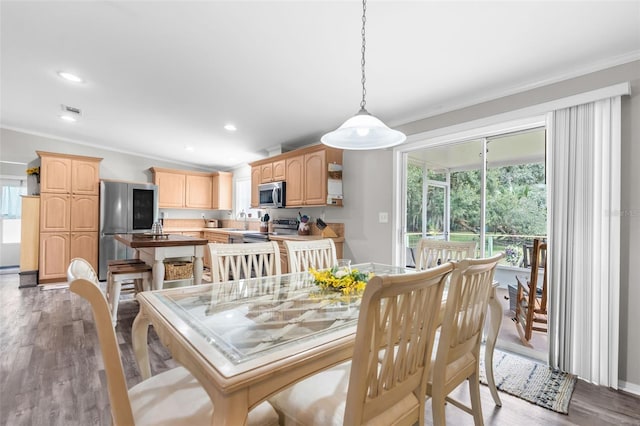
[385,382]
[432,253]
[237,261]
[458,351]
[80,268]
[531,297]
[317,254]
[173,397]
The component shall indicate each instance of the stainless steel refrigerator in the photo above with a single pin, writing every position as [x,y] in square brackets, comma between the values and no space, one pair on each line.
[125,208]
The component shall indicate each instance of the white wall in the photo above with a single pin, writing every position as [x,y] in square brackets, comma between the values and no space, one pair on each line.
[371,174]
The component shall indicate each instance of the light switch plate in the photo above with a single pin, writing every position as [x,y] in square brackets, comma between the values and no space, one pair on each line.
[383,217]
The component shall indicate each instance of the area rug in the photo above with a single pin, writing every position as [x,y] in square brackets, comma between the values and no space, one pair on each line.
[531,381]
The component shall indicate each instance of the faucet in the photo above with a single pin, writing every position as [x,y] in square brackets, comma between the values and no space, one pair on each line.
[242,214]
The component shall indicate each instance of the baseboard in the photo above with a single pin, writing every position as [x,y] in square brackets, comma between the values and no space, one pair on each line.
[629,387]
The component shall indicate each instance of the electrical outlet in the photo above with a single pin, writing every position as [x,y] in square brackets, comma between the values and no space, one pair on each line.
[383,217]
[203,215]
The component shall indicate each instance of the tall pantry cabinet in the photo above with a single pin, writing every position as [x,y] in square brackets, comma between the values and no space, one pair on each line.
[69,212]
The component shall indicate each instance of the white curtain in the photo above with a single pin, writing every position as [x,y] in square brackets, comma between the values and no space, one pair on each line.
[583,166]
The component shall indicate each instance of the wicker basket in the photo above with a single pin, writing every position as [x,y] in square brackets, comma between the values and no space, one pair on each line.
[177,270]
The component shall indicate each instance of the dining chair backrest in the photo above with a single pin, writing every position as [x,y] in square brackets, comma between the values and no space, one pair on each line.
[531,297]
[457,355]
[434,252]
[237,261]
[80,268]
[173,397]
[317,254]
[116,382]
[395,335]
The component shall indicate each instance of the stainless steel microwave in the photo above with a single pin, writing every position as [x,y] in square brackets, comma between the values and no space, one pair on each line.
[272,195]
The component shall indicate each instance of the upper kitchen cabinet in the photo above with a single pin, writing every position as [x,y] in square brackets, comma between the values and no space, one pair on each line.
[85,177]
[55,173]
[199,191]
[274,171]
[294,189]
[222,190]
[313,176]
[171,187]
[255,181]
[62,173]
[279,170]
[184,189]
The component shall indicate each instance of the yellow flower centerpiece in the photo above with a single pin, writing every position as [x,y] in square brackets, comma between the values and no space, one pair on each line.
[33,171]
[335,279]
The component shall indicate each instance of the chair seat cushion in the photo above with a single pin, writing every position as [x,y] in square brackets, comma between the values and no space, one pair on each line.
[175,397]
[321,399]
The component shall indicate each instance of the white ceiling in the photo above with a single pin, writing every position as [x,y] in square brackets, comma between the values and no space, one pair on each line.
[162,76]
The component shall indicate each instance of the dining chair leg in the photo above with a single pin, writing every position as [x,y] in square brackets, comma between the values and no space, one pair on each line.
[437,408]
[474,393]
[116,287]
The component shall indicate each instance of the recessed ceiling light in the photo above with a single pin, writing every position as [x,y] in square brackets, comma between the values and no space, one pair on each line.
[68,118]
[70,77]
[230,127]
[188,148]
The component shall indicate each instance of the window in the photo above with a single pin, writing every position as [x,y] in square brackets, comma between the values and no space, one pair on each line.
[243,198]
[10,209]
[445,198]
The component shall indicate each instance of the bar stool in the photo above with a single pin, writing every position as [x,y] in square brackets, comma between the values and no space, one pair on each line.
[121,271]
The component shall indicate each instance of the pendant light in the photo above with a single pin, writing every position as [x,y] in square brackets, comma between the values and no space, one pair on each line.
[363,130]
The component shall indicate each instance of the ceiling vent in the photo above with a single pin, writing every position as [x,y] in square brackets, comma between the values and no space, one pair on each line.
[71,110]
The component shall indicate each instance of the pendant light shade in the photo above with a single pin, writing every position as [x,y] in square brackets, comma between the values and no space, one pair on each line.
[363,130]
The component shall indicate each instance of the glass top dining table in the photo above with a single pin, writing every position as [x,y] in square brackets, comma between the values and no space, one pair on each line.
[247,339]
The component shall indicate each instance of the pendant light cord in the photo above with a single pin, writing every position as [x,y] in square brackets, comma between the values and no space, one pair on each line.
[363,102]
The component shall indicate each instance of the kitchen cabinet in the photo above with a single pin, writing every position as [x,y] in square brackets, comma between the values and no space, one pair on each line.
[266,173]
[279,170]
[84,245]
[30,233]
[69,212]
[85,213]
[85,177]
[55,212]
[182,189]
[60,173]
[171,188]
[54,256]
[198,191]
[55,174]
[213,237]
[305,172]
[222,190]
[255,183]
[295,181]
[273,172]
[217,237]
[315,178]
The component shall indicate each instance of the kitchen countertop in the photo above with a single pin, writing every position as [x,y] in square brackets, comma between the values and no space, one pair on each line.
[167,240]
[235,231]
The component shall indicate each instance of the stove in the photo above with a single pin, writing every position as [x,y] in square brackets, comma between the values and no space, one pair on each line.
[280,227]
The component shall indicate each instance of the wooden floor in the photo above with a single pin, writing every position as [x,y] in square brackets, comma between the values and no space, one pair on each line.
[51,370]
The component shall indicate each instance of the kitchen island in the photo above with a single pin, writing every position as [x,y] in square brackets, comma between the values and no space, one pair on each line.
[153,250]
